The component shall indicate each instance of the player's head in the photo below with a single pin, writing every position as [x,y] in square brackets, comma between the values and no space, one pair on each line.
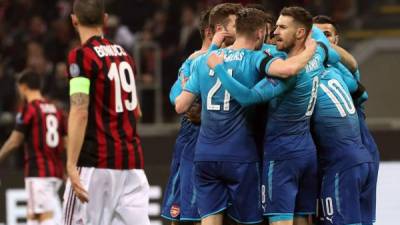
[328,26]
[88,13]
[292,27]
[27,82]
[251,24]
[204,26]
[270,21]
[222,18]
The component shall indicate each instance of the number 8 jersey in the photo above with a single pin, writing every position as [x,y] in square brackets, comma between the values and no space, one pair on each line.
[43,126]
[111,140]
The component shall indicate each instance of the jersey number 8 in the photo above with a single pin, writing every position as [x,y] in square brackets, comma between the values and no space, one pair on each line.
[52,137]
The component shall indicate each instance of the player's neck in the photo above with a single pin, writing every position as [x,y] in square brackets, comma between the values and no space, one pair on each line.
[33,95]
[85,33]
[297,48]
[242,42]
[205,45]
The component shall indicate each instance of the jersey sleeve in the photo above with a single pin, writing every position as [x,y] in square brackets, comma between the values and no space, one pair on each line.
[319,36]
[347,77]
[193,83]
[263,60]
[23,119]
[80,67]
[261,92]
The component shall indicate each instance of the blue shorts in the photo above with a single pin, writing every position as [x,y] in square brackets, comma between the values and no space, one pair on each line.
[346,197]
[171,202]
[290,187]
[369,143]
[231,187]
[189,211]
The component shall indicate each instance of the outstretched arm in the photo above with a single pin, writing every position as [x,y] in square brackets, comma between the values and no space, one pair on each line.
[262,92]
[13,142]
[346,58]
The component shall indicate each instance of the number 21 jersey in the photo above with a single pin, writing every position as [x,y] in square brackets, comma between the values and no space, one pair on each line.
[111,140]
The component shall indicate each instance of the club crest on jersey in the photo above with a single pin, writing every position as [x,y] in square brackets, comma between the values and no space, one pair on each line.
[74,70]
[175,211]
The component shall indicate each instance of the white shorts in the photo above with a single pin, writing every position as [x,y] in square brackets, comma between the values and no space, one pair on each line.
[43,194]
[116,197]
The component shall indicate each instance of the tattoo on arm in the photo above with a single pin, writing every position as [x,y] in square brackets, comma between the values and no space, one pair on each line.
[79,100]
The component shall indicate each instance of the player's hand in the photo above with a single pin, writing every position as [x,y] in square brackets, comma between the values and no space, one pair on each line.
[214,60]
[77,186]
[310,43]
[219,38]
[194,113]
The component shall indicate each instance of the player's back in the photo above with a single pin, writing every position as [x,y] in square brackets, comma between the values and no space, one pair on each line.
[44,128]
[225,132]
[111,140]
[335,124]
[288,127]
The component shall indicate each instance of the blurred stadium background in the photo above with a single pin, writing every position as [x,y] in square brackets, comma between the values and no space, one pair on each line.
[160,34]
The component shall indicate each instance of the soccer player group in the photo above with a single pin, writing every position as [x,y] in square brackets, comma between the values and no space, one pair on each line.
[274,128]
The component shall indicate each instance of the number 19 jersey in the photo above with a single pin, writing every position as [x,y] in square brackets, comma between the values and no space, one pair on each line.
[111,140]
[225,133]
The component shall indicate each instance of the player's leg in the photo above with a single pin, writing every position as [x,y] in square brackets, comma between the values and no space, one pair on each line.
[212,195]
[189,210]
[340,196]
[368,197]
[307,191]
[133,203]
[41,198]
[280,187]
[244,185]
[102,186]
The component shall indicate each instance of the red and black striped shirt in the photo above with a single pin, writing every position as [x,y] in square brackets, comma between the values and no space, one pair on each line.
[111,140]
[43,126]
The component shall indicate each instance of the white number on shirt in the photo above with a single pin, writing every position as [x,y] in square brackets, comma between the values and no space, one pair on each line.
[313,99]
[52,137]
[118,74]
[214,90]
[337,88]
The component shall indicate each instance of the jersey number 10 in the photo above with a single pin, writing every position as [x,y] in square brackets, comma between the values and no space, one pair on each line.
[214,90]
[119,73]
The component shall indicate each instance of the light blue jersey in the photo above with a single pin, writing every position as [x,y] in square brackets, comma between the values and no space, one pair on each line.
[225,133]
[287,132]
[336,125]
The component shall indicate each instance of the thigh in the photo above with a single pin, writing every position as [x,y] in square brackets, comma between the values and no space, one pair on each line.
[133,204]
[280,187]
[42,195]
[308,187]
[212,195]
[189,210]
[244,185]
[340,196]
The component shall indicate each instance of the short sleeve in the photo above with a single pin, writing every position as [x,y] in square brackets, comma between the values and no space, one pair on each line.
[23,119]
[264,59]
[193,84]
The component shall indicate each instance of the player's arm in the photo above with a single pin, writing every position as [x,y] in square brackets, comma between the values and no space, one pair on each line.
[13,142]
[284,68]
[263,91]
[346,58]
[332,56]
[347,77]
[191,89]
[184,101]
[77,122]
[183,74]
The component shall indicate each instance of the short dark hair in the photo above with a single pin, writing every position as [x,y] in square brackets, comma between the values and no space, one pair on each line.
[221,12]
[30,79]
[322,19]
[300,15]
[89,12]
[204,22]
[249,20]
